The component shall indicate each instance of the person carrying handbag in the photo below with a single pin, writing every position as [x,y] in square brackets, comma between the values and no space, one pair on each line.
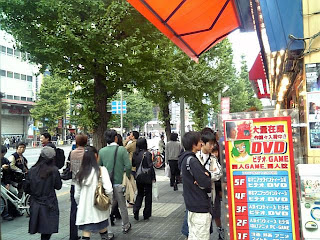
[91,218]
[116,159]
[145,176]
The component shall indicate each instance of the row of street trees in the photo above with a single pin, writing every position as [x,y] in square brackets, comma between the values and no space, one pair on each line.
[103,46]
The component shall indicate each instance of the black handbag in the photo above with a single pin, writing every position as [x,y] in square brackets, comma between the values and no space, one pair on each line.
[66,172]
[144,175]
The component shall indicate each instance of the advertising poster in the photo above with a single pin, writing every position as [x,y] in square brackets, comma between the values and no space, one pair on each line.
[309,186]
[313,77]
[261,179]
[313,100]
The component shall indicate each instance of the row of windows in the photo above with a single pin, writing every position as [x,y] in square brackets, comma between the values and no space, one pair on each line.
[12,97]
[18,76]
[14,52]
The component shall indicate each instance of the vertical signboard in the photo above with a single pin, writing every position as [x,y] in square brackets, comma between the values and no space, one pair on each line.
[313,99]
[261,179]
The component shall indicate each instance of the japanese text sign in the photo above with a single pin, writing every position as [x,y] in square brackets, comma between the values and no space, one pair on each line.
[261,179]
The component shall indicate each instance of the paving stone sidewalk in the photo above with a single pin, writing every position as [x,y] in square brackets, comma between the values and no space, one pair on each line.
[165,223]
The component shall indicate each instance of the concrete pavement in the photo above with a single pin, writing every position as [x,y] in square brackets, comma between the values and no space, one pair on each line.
[165,223]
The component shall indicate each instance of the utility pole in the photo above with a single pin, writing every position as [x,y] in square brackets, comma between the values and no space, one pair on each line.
[121,111]
[182,122]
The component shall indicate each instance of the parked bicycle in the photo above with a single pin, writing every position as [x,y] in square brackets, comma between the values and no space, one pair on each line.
[157,158]
[21,204]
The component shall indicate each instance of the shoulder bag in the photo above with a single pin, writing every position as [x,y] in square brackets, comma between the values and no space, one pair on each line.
[143,175]
[101,200]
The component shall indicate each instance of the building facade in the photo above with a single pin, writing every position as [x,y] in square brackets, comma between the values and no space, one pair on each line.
[20,81]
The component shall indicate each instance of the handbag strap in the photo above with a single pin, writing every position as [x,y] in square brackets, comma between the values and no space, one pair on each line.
[114,163]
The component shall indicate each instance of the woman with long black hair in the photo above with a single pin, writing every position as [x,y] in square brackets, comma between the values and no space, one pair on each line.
[89,218]
[144,189]
[41,181]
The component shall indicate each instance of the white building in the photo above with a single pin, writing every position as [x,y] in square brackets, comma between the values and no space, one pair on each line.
[19,84]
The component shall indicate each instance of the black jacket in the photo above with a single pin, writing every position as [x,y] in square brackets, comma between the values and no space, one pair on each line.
[6,173]
[44,210]
[147,162]
[195,195]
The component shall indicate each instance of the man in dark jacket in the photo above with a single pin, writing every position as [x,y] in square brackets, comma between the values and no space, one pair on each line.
[196,185]
[46,140]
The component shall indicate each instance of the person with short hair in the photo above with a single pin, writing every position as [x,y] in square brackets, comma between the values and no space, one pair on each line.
[173,150]
[196,186]
[122,164]
[41,182]
[18,162]
[76,157]
[130,144]
[45,140]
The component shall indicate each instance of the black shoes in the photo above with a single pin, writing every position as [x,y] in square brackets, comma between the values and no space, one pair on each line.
[127,229]
[8,218]
[175,187]
[146,218]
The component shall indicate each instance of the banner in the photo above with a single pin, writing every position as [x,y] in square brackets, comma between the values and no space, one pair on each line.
[261,179]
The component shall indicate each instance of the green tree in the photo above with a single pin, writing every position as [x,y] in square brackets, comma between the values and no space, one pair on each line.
[96,44]
[139,111]
[241,93]
[52,101]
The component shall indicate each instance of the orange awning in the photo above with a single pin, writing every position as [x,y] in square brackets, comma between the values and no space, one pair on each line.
[194,25]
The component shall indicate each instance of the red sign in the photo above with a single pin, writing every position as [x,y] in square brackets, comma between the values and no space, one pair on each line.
[257,75]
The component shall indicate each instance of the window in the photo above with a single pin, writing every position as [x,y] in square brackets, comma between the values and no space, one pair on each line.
[3,49]
[3,73]
[23,77]
[29,78]
[17,53]
[9,96]
[29,99]
[23,98]
[10,51]
[9,74]
[17,76]
[16,98]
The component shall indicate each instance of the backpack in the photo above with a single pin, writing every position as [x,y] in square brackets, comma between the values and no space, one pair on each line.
[60,158]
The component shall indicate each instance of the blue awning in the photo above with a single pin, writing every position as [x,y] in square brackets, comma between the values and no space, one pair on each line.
[282,18]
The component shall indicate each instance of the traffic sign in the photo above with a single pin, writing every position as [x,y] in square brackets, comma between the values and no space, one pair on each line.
[116,107]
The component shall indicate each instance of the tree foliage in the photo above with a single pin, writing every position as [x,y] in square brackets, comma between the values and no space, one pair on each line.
[241,93]
[103,40]
[52,101]
[139,111]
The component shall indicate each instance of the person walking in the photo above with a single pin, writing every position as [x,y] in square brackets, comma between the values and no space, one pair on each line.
[89,218]
[7,143]
[196,186]
[76,157]
[41,182]
[144,157]
[173,149]
[116,159]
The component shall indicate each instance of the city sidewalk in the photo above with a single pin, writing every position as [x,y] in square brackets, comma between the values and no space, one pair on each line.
[165,222]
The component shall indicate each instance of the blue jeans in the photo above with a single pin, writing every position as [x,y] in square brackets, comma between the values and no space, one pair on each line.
[185,227]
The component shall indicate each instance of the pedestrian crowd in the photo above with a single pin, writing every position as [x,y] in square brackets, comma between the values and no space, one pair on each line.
[124,170]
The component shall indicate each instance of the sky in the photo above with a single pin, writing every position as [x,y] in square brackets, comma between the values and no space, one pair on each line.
[245,43]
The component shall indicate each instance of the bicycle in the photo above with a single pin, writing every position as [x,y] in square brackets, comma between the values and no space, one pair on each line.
[21,204]
[157,158]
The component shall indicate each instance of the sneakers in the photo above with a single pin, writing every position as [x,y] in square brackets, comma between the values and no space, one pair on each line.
[221,233]
[127,229]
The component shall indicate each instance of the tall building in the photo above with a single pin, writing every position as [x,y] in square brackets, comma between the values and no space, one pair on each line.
[19,83]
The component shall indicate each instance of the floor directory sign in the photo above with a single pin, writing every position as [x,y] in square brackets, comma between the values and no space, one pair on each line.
[261,179]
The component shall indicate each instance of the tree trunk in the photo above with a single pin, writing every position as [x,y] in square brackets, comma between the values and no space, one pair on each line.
[166,119]
[100,101]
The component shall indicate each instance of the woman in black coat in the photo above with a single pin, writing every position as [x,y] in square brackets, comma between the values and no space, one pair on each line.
[144,189]
[41,181]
